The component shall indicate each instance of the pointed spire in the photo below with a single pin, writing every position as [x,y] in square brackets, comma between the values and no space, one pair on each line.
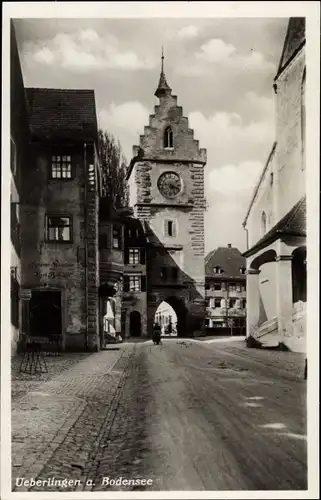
[163,87]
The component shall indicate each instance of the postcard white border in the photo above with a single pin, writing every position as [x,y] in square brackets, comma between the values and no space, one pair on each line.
[259,9]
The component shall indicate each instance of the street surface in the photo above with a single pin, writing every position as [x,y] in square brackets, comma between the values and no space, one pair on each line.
[189,415]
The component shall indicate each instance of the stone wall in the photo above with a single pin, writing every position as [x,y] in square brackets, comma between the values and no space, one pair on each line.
[183,251]
[290,174]
[65,266]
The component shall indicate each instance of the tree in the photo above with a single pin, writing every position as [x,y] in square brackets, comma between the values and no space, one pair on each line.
[113,167]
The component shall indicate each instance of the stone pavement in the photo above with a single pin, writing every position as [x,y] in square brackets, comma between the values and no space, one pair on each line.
[56,428]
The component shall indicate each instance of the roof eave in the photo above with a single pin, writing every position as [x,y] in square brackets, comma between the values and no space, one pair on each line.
[259,183]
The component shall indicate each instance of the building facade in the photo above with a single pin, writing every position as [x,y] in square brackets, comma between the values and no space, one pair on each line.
[59,218]
[225,291]
[18,154]
[276,218]
[166,180]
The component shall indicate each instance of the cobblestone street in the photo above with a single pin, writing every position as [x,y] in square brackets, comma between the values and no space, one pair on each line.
[186,415]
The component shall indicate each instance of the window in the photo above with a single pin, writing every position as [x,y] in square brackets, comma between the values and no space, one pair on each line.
[170,228]
[61,167]
[132,233]
[232,303]
[174,273]
[263,223]
[13,157]
[243,303]
[217,303]
[232,287]
[134,256]
[271,178]
[163,273]
[242,270]
[168,138]
[135,283]
[116,237]
[238,287]
[218,270]
[58,228]
[217,286]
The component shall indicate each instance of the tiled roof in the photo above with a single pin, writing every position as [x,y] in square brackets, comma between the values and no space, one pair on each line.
[292,224]
[62,114]
[229,259]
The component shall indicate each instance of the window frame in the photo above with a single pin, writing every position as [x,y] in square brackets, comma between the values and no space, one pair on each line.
[60,163]
[134,251]
[114,228]
[168,137]
[219,301]
[61,216]
[263,223]
[139,281]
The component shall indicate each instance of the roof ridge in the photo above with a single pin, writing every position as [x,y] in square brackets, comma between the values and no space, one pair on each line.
[50,89]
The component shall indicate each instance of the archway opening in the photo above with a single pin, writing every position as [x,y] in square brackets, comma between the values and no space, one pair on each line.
[135,324]
[166,317]
[175,309]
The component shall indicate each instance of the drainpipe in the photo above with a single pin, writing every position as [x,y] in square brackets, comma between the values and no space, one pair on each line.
[247,236]
[86,244]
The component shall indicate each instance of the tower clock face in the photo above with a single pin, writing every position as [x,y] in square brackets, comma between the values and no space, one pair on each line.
[169,184]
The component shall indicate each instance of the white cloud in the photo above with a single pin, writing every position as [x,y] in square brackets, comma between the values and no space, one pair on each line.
[126,122]
[83,50]
[190,31]
[45,56]
[225,57]
[230,179]
[228,139]
[215,50]
[235,151]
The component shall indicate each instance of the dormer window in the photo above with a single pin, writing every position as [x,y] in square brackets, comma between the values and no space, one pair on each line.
[168,138]
[217,270]
[242,270]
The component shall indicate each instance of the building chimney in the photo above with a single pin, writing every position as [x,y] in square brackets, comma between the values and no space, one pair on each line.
[229,245]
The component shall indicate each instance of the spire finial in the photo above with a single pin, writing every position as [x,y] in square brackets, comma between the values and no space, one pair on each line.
[162,71]
[163,87]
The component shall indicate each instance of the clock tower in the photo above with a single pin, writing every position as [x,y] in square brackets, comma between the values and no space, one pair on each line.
[166,181]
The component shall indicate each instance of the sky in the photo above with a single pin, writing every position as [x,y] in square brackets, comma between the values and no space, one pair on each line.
[222,71]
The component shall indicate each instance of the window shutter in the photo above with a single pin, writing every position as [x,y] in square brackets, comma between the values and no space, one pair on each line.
[142,256]
[143,283]
[165,227]
[126,283]
[174,228]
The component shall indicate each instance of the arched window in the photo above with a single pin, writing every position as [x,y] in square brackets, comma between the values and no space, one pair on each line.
[168,138]
[263,223]
[303,119]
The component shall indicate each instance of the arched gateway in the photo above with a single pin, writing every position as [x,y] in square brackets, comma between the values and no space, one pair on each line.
[166,181]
